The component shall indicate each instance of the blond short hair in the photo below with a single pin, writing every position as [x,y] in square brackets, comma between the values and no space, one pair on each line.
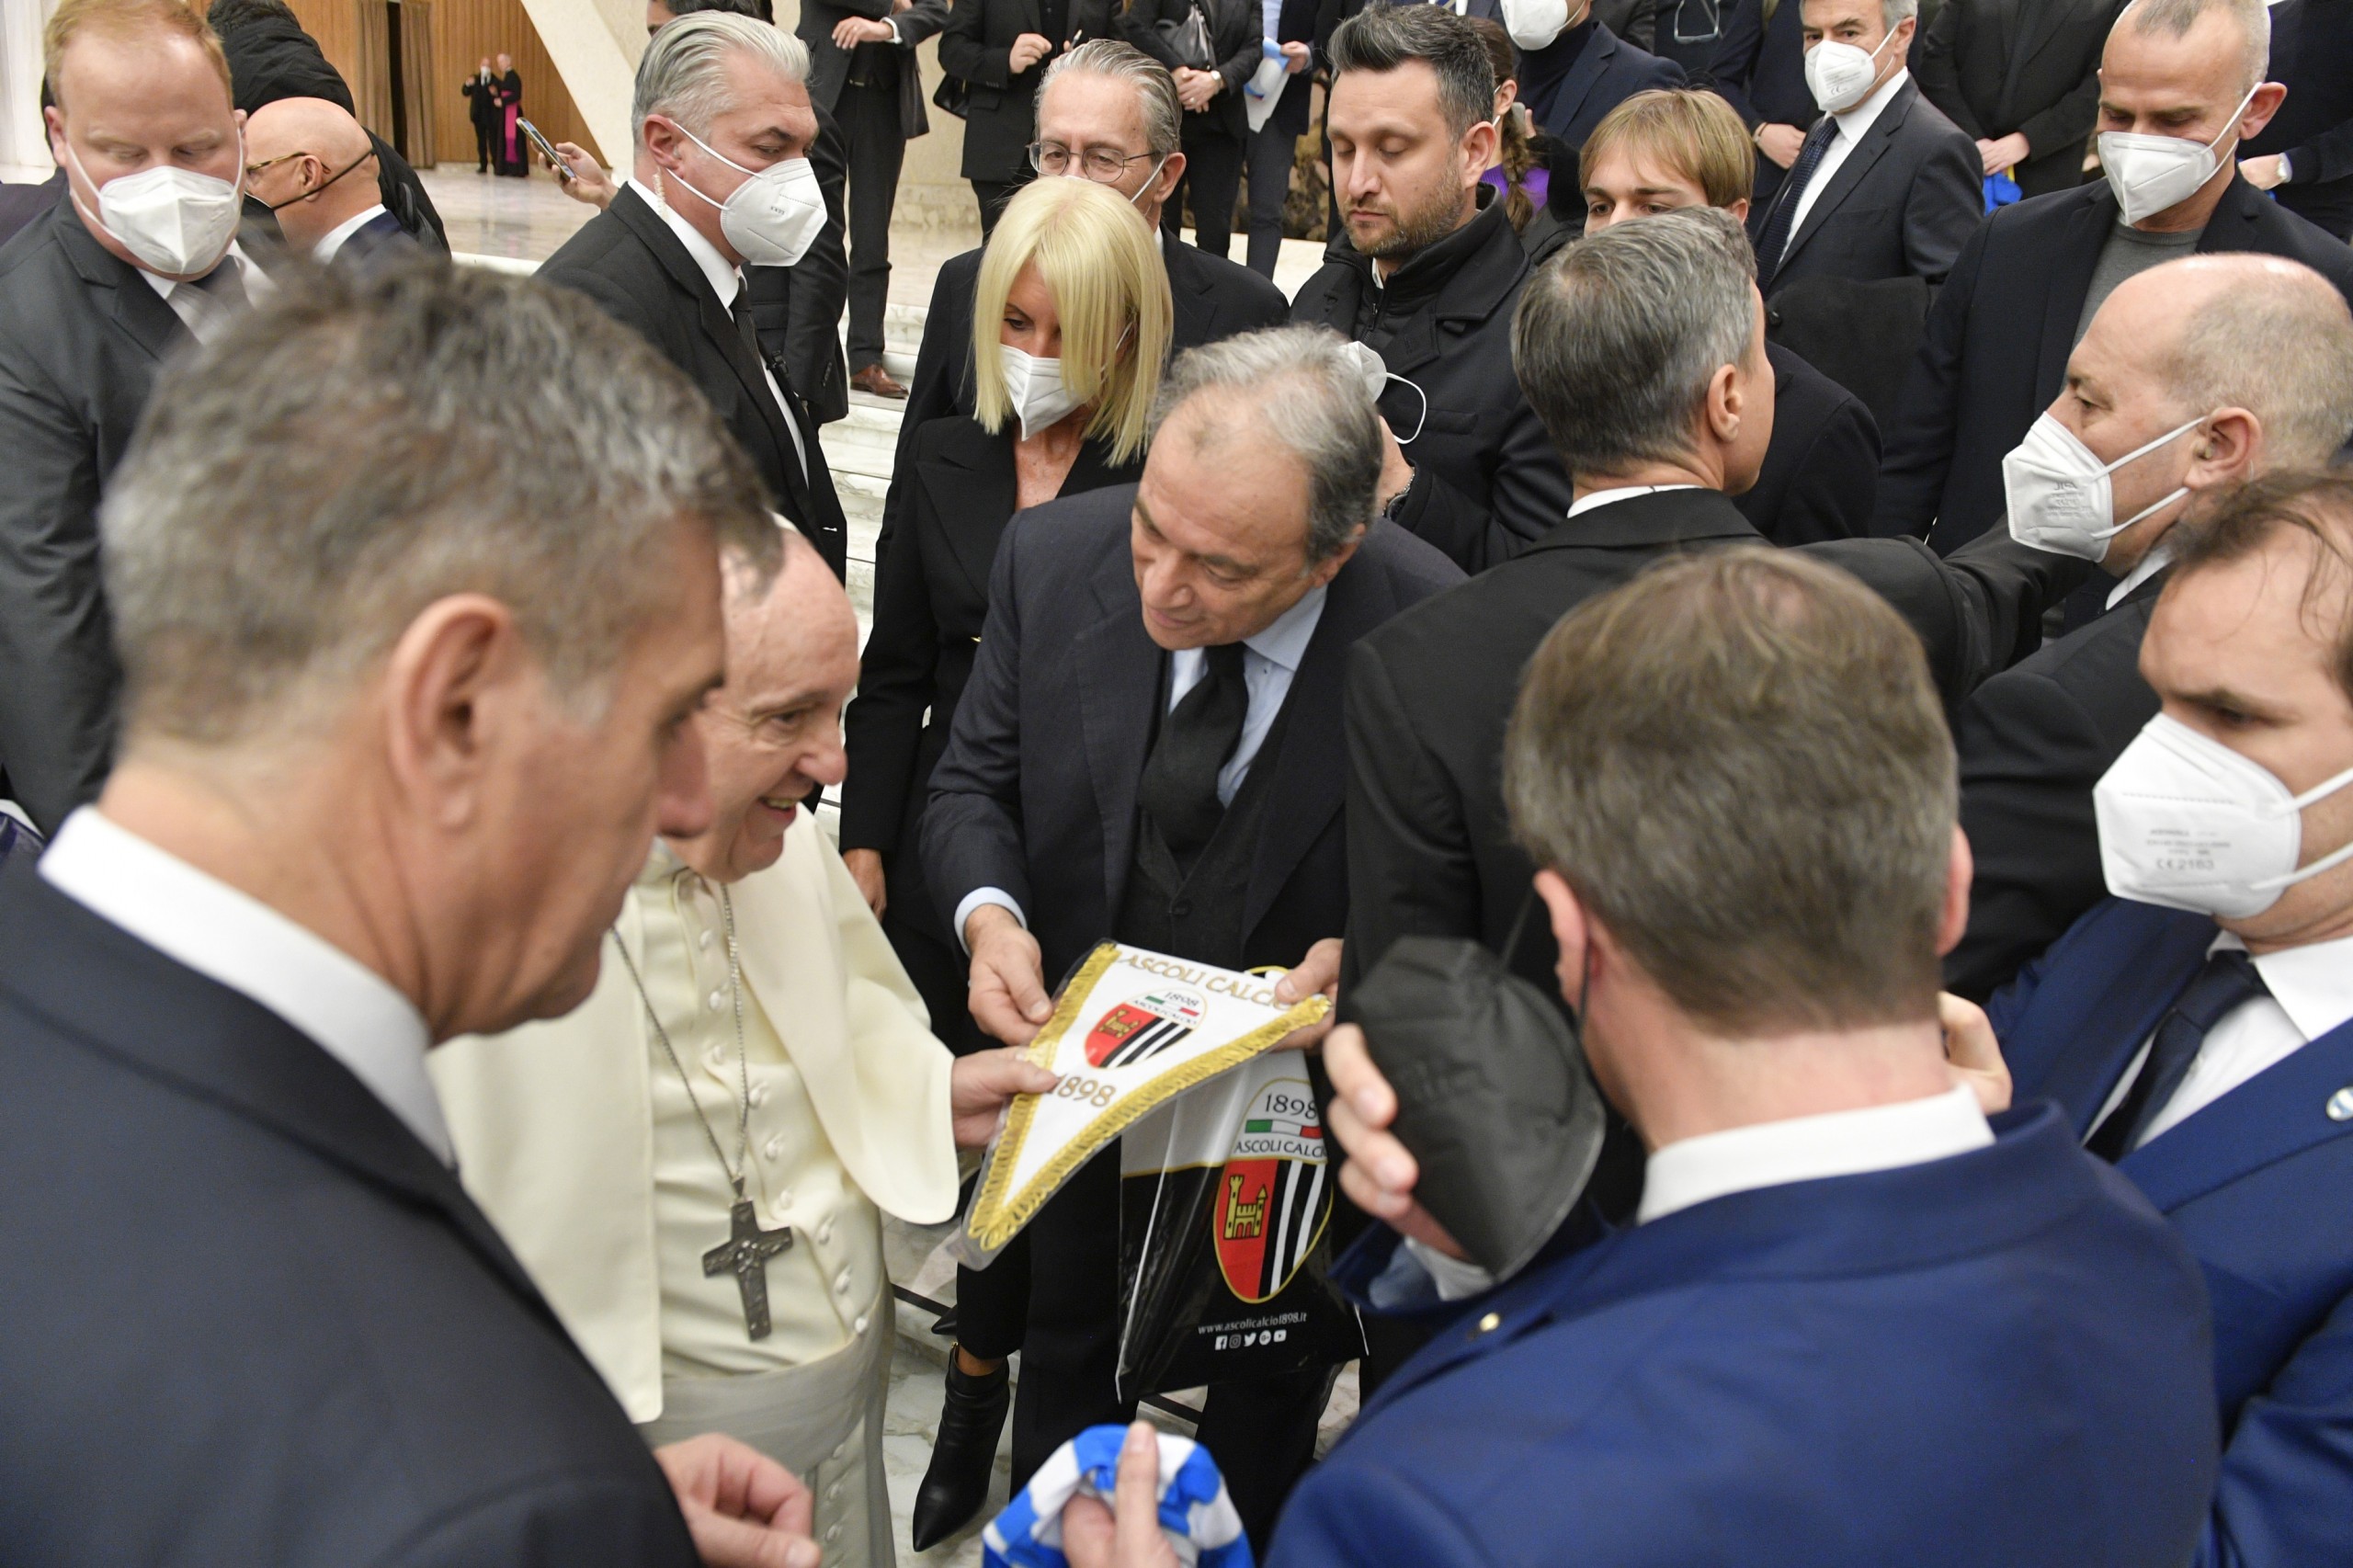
[125,19]
[1690,132]
[1098,260]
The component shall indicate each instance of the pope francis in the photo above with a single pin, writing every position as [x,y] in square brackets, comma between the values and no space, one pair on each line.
[692,1165]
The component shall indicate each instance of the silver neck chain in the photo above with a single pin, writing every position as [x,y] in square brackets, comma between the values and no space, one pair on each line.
[740,1166]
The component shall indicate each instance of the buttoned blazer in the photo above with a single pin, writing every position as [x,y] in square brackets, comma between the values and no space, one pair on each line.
[829,62]
[1998,66]
[1901,205]
[627,260]
[554,1121]
[2257,1184]
[1990,1359]
[233,1273]
[1037,792]
[1996,350]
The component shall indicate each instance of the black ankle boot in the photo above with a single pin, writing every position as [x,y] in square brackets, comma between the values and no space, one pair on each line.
[957,1483]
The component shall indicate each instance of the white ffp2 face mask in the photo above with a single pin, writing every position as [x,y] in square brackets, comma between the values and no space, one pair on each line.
[2059,496]
[2149,174]
[2187,823]
[775,215]
[1034,386]
[1377,377]
[178,224]
[1839,74]
[1534,24]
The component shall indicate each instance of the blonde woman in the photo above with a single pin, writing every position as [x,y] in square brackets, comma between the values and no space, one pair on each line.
[1071,325]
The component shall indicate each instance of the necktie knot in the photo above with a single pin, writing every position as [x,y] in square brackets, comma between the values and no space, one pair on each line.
[1178,791]
[2228,980]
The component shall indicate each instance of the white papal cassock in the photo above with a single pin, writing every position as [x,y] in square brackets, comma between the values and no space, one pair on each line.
[577,1138]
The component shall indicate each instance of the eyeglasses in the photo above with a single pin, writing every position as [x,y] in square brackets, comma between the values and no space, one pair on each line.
[254,170]
[1101,164]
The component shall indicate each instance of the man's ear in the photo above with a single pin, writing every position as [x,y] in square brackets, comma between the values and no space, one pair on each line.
[1724,405]
[1479,145]
[1170,173]
[1570,929]
[1961,870]
[663,139]
[455,686]
[2226,451]
[2261,108]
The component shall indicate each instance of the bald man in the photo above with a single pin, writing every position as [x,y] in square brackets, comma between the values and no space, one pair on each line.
[300,155]
[2194,377]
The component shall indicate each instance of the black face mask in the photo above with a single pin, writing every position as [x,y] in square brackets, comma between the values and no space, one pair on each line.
[1495,1100]
[346,168]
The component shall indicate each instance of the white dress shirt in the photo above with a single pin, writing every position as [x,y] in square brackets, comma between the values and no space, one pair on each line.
[2310,992]
[324,251]
[1271,659]
[1766,1153]
[726,280]
[204,316]
[2160,555]
[346,1008]
[1600,498]
[1853,125]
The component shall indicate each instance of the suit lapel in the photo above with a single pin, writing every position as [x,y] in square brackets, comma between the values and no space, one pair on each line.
[2071,282]
[1310,767]
[2280,1111]
[1569,98]
[1115,706]
[1851,173]
[718,327]
[975,477]
[1195,306]
[143,314]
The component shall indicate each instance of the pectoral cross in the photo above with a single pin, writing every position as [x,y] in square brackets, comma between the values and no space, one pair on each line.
[745,1254]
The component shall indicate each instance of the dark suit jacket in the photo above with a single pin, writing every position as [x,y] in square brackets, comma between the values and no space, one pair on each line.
[1902,205]
[1234,31]
[82,336]
[1760,69]
[797,310]
[1996,352]
[1487,480]
[1571,83]
[1037,792]
[380,242]
[627,260]
[2312,51]
[1211,299]
[1821,472]
[314,1351]
[1001,117]
[20,204]
[1430,851]
[829,63]
[931,597]
[1998,66]
[1989,1358]
[2033,741]
[2257,1184]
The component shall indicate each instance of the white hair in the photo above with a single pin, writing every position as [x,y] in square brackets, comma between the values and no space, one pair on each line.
[683,75]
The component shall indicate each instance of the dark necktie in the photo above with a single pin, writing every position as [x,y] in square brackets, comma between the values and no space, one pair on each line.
[1776,238]
[2228,979]
[1178,791]
[741,310]
[226,284]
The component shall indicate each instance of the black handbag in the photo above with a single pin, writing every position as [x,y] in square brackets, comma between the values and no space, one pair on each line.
[1188,39]
[953,95]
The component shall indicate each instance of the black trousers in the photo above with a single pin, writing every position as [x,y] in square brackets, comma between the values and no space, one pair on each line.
[992,195]
[481,146]
[869,116]
[1212,179]
[992,1304]
[1271,151]
[1260,1431]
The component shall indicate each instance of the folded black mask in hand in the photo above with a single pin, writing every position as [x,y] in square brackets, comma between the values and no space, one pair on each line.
[1494,1097]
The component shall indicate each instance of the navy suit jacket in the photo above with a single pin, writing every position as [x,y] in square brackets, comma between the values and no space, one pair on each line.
[1992,1359]
[2258,1183]
[1567,104]
[250,1318]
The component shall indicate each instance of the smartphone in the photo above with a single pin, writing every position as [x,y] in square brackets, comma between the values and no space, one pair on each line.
[547,149]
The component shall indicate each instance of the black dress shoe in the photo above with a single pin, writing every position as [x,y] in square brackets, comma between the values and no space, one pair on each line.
[956,1482]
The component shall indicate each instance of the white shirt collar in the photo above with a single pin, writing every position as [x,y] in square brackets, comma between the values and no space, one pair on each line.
[348,1009]
[723,276]
[2312,984]
[1584,503]
[1854,122]
[1285,639]
[1809,1148]
[324,252]
[2160,555]
[258,285]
